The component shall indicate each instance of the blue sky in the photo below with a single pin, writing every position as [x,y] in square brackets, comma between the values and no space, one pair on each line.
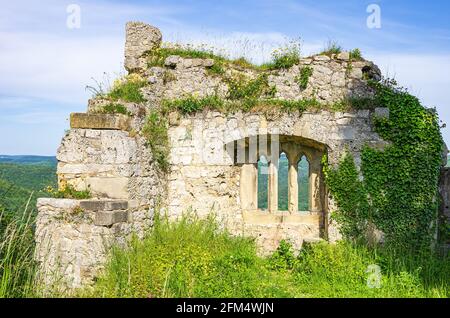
[45,66]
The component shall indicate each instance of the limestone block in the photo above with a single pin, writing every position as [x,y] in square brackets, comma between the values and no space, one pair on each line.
[103,205]
[108,218]
[343,56]
[321,58]
[172,60]
[114,188]
[100,121]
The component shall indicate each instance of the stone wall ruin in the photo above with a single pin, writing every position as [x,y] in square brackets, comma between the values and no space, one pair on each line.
[107,154]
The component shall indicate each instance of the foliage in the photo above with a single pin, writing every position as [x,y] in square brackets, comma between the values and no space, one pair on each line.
[20,180]
[249,90]
[155,132]
[69,192]
[195,258]
[355,55]
[349,192]
[303,78]
[128,89]
[343,270]
[283,258]
[192,104]
[158,56]
[115,108]
[284,57]
[188,258]
[17,265]
[398,193]
[332,48]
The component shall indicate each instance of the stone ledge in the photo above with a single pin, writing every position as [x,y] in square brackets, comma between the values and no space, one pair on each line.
[104,205]
[267,218]
[107,218]
[99,121]
[57,203]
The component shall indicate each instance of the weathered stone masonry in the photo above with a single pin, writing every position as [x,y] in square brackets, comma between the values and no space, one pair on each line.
[208,174]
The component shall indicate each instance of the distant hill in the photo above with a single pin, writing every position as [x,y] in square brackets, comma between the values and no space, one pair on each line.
[26,159]
[22,175]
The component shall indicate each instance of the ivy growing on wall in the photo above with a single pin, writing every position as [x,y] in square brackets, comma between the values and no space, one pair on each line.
[398,191]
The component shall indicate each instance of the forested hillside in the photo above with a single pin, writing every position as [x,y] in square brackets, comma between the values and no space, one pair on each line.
[20,176]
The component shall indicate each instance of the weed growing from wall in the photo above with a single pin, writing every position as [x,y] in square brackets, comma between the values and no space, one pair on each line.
[69,192]
[155,132]
[114,108]
[128,89]
[303,79]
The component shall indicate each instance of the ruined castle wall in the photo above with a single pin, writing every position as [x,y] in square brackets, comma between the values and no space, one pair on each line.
[332,79]
[106,154]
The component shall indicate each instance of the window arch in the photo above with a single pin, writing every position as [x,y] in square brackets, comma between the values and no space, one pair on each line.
[283,173]
[263,183]
[303,172]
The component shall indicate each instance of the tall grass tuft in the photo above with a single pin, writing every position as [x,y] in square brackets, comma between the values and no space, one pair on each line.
[17,266]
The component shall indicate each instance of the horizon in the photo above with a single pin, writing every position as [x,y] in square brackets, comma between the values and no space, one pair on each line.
[46,65]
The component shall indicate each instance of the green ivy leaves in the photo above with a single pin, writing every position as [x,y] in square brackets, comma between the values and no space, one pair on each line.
[400,184]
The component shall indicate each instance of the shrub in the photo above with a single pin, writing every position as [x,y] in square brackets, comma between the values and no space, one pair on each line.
[355,54]
[128,89]
[284,57]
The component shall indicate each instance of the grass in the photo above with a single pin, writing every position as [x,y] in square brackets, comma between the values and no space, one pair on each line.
[191,104]
[195,258]
[189,258]
[356,55]
[282,58]
[17,267]
[331,48]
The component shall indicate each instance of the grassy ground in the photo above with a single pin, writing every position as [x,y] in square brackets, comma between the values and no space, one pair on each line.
[194,258]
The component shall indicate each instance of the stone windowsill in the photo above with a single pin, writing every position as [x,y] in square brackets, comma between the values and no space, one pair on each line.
[266,217]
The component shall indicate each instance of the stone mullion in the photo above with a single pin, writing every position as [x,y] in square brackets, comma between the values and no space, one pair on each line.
[292,186]
[273,186]
[314,185]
